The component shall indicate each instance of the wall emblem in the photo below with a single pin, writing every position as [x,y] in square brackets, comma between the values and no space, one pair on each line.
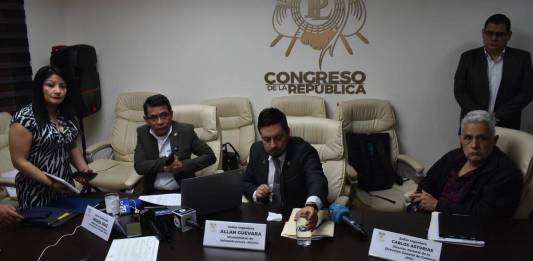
[319,24]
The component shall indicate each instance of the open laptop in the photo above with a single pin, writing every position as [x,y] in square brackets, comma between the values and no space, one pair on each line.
[213,193]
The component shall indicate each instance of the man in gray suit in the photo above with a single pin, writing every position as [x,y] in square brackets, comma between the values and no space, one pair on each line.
[495,77]
[164,148]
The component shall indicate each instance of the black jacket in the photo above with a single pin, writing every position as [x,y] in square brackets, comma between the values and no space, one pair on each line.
[183,137]
[495,190]
[471,87]
[301,176]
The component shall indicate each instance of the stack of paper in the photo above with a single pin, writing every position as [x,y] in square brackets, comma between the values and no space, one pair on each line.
[433,234]
[169,200]
[326,227]
[64,182]
[140,248]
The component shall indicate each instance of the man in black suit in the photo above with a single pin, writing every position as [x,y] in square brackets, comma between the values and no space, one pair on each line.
[283,170]
[495,77]
[164,147]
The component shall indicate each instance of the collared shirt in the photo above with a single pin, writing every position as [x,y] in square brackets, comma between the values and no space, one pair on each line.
[494,73]
[270,180]
[164,180]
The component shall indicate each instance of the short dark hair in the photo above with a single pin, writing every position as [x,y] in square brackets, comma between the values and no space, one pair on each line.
[499,19]
[155,101]
[39,105]
[271,116]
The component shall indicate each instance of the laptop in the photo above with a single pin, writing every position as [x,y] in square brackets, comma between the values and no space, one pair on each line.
[213,193]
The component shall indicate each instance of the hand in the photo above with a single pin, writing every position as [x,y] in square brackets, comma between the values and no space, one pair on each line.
[424,201]
[9,215]
[309,213]
[175,167]
[262,192]
[58,187]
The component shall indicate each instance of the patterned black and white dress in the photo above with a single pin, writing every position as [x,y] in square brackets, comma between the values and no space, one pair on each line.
[50,152]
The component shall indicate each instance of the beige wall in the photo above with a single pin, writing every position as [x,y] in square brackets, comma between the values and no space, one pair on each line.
[198,49]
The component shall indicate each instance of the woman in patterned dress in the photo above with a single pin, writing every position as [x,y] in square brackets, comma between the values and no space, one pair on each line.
[42,139]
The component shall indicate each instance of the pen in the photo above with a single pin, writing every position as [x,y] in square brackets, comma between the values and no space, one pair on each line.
[64,215]
[320,224]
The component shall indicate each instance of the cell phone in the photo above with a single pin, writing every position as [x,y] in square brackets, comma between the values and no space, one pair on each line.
[170,159]
[85,176]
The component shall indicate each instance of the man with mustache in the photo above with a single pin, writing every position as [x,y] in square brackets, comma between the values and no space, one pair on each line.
[476,179]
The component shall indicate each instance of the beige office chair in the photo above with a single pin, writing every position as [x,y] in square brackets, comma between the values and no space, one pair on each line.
[204,119]
[325,135]
[518,145]
[301,105]
[117,173]
[376,116]
[236,123]
[5,161]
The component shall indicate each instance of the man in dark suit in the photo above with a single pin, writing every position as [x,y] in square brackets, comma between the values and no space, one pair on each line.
[283,170]
[495,77]
[164,147]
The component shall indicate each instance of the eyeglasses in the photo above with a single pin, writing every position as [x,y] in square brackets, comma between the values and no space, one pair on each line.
[163,116]
[496,34]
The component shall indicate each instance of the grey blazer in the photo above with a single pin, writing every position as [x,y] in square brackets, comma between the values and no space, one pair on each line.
[183,137]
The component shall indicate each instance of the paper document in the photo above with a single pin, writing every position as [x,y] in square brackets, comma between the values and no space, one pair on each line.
[11,191]
[173,199]
[433,234]
[62,181]
[326,227]
[139,248]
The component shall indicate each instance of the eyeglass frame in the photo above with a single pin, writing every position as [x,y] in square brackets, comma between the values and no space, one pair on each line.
[161,116]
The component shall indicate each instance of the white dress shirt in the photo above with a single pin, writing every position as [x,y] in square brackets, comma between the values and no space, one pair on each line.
[164,180]
[270,180]
[494,73]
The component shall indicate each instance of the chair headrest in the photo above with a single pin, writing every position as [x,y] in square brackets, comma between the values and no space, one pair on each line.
[324,134]
[202,117]
[301,105]
[233,112]
[366,115]
[130,105]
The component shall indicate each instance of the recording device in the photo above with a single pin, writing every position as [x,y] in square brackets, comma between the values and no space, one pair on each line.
[159,220]
[340,214]
[185,219]
[129,206]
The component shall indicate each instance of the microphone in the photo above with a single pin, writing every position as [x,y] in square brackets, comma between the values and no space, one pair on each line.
[340,214]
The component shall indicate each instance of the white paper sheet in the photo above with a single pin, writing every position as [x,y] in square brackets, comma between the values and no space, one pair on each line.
[11,191]
[274,216]
[173,199]
[62,181]
[433,234]
[133,249]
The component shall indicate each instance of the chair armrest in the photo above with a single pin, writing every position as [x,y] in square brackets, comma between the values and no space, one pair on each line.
[411,162]
[94,148]
[408,167]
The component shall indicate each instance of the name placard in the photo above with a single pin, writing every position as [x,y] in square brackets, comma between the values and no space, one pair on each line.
[394,246]
[98,222]
[235,235]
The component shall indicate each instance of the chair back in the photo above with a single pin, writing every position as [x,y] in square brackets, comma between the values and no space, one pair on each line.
[368,116]
[301,105]
[236,123]
[5,156]
[518,145]
[129,115]
[204,120]
[325,135]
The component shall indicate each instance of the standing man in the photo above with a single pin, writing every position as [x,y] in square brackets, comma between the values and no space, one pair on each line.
[164,148]
[283,170]
[495,77]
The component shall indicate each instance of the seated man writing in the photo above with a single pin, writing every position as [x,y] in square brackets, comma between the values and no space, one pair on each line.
[476,179]
[164,148]
[284,170]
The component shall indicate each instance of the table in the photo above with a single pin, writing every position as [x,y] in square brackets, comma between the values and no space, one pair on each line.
[506,240]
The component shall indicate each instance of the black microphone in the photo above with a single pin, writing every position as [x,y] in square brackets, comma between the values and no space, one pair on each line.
[339,214]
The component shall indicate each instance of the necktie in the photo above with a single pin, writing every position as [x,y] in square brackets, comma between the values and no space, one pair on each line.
[276,198]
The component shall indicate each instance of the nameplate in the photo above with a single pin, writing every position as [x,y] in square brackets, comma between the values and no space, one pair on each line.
[98,222]
[249,236]
[394,246]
